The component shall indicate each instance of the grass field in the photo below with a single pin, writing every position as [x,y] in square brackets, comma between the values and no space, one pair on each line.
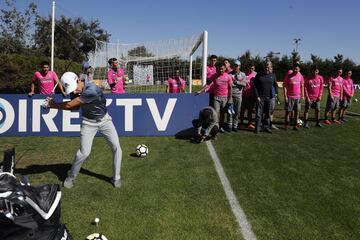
[291,185]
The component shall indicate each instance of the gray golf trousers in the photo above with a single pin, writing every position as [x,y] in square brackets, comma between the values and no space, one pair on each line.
[89,128]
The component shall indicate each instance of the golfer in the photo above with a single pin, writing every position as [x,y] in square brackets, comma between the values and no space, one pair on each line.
[95,118]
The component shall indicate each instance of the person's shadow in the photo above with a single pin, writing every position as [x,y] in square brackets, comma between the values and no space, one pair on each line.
[60,170]
[187,134]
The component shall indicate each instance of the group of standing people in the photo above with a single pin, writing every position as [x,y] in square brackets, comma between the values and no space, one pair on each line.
[233,93]
[310,89]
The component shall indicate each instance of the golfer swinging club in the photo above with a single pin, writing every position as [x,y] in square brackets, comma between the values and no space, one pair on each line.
[95,118]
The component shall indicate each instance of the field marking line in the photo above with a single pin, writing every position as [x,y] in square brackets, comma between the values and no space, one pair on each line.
[352,117]
[245,227]
[354,113]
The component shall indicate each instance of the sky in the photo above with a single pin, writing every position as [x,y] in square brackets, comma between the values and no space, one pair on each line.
[326,28]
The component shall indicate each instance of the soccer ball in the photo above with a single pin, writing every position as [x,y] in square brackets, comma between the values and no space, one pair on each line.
[300,122]
[142,150]
[96,236]
[355,100]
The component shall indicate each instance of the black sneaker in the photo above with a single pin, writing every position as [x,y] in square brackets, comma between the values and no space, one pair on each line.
[235,129]
[227,129]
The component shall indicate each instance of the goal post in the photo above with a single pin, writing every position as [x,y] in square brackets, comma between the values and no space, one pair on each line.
[148,65]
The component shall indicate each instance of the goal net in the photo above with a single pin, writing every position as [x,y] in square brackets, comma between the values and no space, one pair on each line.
[148,65]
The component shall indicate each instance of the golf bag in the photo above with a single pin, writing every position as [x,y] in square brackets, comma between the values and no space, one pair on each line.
[28,212]
[8,164]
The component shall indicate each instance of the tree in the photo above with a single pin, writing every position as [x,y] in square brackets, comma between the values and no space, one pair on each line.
[315,59]
[74,38]
[140,51]
[14,28]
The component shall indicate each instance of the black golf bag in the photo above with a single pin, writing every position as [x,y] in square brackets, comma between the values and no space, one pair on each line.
[8,164]
[28,212]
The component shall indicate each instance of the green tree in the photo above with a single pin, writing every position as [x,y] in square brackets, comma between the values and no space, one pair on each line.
[140,51]
[15,36]
[74,38]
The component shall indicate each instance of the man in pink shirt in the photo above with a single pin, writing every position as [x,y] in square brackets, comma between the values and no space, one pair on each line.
[348,90]
[221,86]
[314,86]
[227,64]
[115,77]
[210,75]
[335,95]
[293,93]
[45,80]
[211,69]
[175,84]
[248,99]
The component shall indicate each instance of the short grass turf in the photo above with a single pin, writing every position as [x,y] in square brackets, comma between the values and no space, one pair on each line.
[291,185]
[297,185]
[173,193]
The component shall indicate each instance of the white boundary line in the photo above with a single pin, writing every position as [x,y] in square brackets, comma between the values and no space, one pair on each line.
[354,113]
[353,117]
[245,227]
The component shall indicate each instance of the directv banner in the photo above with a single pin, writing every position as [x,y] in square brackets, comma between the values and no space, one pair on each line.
[132,114]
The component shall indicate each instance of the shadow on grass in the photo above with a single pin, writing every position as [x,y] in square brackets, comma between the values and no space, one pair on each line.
[187,134]
[134,155]
[60,170]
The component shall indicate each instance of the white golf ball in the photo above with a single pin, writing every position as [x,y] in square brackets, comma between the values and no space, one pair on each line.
[96,220]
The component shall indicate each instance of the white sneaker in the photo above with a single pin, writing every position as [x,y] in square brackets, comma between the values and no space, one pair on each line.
[116,183]
[69,182]
[273,127]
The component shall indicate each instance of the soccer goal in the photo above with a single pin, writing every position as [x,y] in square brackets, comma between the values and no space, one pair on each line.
[148,65]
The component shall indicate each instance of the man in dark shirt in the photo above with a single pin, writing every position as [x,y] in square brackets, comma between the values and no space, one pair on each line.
[95,118]
[263,89]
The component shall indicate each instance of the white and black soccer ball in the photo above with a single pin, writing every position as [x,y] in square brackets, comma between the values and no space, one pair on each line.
[142,150]
[300,122]
[96,236]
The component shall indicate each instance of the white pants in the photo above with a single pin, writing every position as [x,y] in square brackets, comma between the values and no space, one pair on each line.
[89,128]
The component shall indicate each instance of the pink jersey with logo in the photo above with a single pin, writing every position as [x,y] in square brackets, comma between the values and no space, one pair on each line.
[210,72]
[335,85]
[45,82]
[348,86]
[248,89]
[220,85]
[175,84]
[314,86]
[118,79]
[293,85]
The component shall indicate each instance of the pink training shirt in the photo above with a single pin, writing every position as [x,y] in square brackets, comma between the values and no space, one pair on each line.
[220,85]
[348,86]
[314,86]
[248,89]
[45,82]
[210,72]
[175,84]
[118,79]
[335,86]
[293,85]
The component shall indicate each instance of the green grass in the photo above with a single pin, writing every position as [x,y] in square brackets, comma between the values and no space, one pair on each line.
[291,185]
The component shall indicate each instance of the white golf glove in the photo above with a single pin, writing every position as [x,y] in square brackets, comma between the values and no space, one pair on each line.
[46,103]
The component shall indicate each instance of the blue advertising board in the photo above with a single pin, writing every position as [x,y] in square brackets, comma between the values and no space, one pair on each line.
[132,114]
